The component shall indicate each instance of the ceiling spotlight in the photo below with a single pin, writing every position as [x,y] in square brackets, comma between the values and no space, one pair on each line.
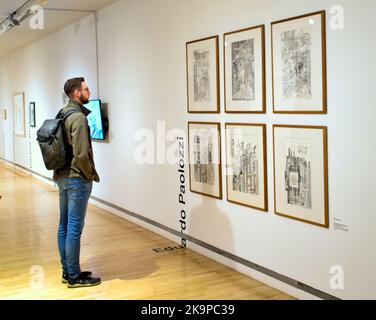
[21,14]
[13,20]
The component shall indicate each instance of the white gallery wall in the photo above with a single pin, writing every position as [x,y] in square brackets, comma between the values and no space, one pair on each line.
[142,77]
[40,71]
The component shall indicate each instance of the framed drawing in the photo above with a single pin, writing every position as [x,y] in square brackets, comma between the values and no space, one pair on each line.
[205,170]
[4,114]
[32,114]
[301,174]
[299,64]
[19,114]
[244,57]
[203,75]
[246,165]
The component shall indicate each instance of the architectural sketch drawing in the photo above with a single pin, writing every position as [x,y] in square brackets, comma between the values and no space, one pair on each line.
[245,167]
[243,70]
[201,75]
[203,159]
[298,177]
[296,64]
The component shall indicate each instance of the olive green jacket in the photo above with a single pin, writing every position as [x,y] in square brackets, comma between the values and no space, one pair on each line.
[78,134]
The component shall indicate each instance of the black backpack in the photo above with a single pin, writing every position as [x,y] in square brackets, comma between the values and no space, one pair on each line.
[52,138]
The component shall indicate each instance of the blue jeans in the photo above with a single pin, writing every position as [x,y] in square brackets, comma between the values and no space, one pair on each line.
[74,195]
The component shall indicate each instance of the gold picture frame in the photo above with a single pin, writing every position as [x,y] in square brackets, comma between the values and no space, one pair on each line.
[299,64]
[301,173]
[202,63]
[205,164]
[244,70]
[246,165]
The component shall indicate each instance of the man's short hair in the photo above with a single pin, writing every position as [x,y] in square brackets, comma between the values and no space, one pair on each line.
[73,84]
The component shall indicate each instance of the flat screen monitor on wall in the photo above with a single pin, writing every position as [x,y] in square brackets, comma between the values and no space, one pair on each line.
[97,130]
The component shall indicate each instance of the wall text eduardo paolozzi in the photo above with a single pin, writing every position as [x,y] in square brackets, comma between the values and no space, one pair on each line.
[182,188]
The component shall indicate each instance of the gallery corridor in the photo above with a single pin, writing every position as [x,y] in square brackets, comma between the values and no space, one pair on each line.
[118,251]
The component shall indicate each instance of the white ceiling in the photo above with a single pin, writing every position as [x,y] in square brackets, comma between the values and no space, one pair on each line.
[23,35]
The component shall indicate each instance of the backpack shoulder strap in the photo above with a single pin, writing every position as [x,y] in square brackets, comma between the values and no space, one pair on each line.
[67,114]
[64,116]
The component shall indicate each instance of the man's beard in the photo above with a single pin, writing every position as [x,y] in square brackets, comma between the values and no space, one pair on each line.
[84,100]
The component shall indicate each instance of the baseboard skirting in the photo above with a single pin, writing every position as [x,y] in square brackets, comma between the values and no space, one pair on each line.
[26,169]
[287,280]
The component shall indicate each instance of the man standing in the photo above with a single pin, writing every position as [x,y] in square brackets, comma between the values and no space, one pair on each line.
[75,185]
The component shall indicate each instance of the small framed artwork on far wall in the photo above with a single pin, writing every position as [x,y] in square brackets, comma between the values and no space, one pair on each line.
[299,64]
[19,114]
[202,59]
[32,114]
[4,114]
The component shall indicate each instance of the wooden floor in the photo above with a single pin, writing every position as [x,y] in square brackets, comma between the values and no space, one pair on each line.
[118,251]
